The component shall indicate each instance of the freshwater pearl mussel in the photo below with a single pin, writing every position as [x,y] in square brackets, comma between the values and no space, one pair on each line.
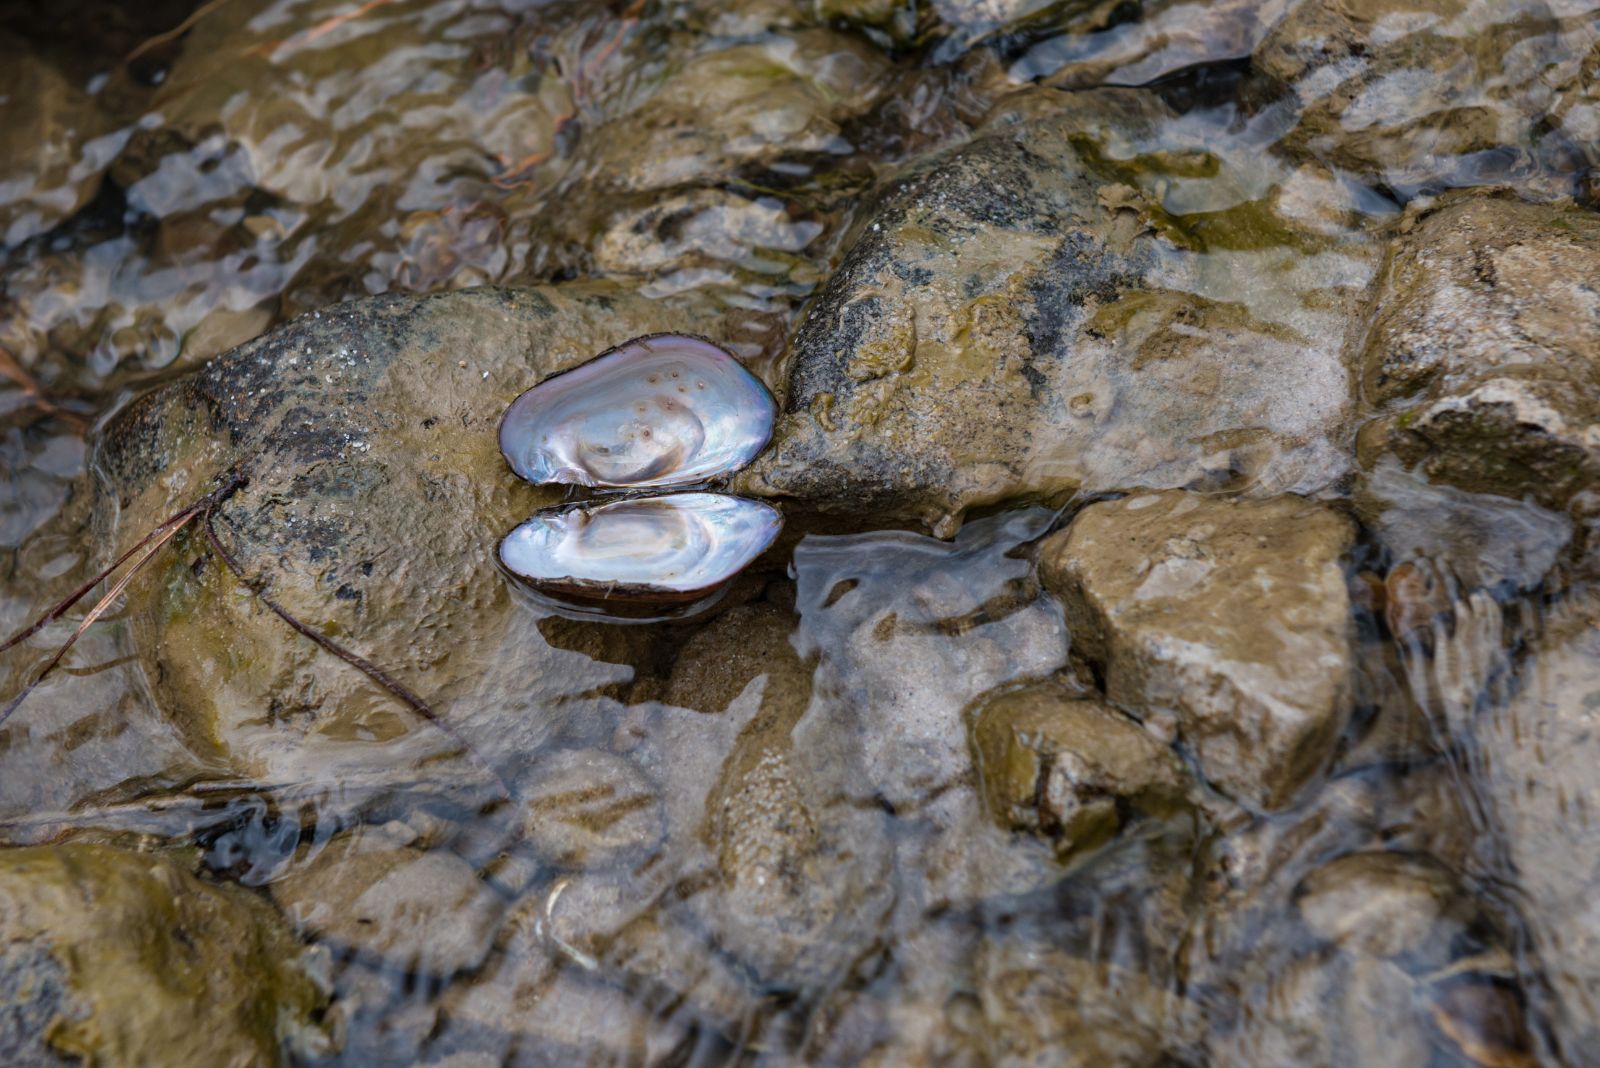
[660,410]
[659,413]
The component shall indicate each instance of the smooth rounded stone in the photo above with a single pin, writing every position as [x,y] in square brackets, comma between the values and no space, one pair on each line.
[744,106]
[52,152]
[1013,319]
[589,809]
[1484,353]
[1383,904]
[376,494]
[700,228]
[1228,618]
[1430,94]
[675,547]
[1056,763]
[1169,36]
[660,410]
[426,912]
[1534,764]
[117,957]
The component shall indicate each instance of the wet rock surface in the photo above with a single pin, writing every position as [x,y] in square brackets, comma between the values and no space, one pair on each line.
[424,910]
[1007,322]
[1540,793]
[1482,357]
[1175,654]
[224,983]
[1228,620]
[1069,767]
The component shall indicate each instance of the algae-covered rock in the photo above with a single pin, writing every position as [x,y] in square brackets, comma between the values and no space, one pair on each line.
[1057,763]
[1484,352]
[1229,619]
[1430,94]
[423,910]
[1008,323]
[376,494]
[117,957]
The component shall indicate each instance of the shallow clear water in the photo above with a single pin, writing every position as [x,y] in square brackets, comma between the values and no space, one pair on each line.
[175,184]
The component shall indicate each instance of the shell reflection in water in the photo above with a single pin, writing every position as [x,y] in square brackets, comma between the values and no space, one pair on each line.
[671,548]
[660,410]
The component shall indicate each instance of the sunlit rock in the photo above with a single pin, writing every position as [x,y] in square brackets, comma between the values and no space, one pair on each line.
[1227,620]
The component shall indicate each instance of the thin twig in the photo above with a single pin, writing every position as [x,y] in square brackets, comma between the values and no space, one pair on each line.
[11,368]
[177,31]
[78,594]
[149,544]
[320,29]
[96,612]
[355,660]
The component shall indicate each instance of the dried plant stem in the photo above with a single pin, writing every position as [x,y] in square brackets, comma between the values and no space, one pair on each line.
[355,660]
[177,31]
[149,545]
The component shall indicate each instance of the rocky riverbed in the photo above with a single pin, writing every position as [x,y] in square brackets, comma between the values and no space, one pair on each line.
[1181,648]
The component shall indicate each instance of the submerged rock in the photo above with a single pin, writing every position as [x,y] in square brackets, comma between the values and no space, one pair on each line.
[117,957]
[52,153]
[529,1001]
[745,105]
[376,494]
[1057,763]
[425,911]
[591,809]
[1535,764]
[1431,94]
[1484,354]
[1228,619]
[1008,323]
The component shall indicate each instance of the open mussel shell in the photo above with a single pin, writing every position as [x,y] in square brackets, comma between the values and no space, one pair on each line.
[660,410]
[661,549]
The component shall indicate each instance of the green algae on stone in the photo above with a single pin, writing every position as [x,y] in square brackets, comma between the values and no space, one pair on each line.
[1005,325]
[1057,763]
[1483,358]
[135,960]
